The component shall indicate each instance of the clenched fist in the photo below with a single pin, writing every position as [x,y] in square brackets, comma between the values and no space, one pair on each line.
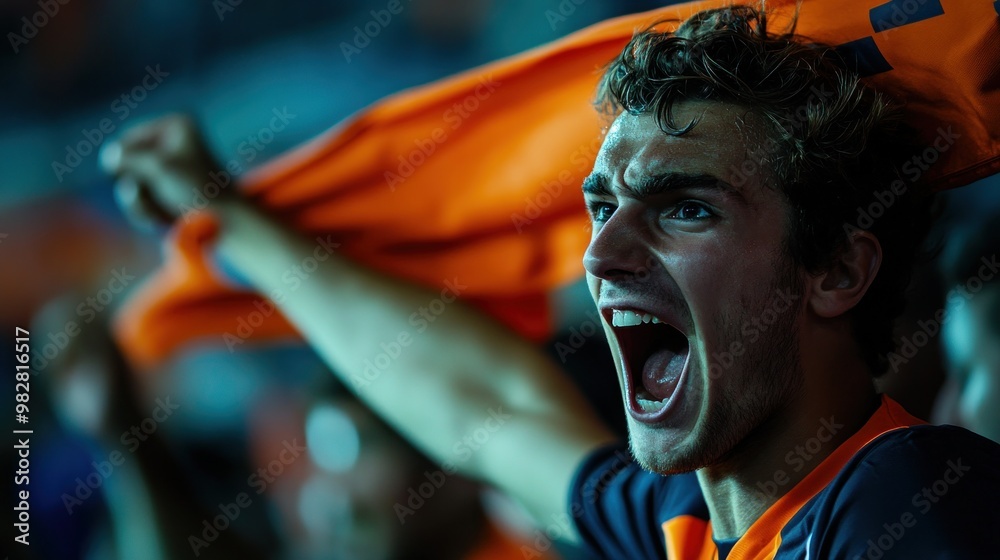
[162,169]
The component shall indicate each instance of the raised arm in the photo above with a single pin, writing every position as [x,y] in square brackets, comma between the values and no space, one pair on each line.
[468,392]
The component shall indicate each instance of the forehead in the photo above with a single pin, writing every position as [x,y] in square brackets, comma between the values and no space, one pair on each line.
[726,143]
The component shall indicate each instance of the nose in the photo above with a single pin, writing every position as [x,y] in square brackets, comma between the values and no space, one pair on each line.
[617,249]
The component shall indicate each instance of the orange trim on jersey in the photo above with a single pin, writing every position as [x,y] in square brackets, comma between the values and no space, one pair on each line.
[689,538]
[762,540]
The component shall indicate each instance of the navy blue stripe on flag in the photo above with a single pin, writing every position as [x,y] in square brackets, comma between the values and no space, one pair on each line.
[863,56]
[898,13]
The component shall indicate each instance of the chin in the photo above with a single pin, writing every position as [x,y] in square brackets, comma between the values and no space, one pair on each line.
[666,451]
[708,439]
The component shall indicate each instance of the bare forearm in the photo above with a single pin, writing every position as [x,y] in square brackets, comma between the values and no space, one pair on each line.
[444,375]
[436,376]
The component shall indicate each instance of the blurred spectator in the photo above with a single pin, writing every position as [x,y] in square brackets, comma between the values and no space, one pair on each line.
[179,480]
[971,329]
[151,502]
[362,492]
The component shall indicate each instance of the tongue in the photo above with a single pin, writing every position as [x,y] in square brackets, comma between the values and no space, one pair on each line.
[661,372]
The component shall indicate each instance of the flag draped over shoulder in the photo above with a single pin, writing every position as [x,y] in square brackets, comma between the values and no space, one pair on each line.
[473,181]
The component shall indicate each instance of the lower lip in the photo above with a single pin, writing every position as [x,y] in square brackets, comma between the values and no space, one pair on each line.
[654,417]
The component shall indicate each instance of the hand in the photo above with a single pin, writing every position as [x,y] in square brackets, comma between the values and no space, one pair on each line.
[93,390]
[162,168]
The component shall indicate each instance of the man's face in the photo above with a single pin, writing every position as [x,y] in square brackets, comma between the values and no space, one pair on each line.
[688,242]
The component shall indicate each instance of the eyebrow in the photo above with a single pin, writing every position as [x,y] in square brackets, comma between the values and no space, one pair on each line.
[598,184]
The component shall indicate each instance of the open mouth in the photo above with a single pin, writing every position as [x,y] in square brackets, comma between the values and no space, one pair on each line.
[654,353]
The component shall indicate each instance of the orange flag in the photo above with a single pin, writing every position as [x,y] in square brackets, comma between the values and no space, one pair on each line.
[475,179]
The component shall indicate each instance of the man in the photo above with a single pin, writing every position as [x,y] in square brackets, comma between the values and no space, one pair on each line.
[746,313]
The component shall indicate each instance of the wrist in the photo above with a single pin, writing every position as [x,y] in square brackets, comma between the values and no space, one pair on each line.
[212,196]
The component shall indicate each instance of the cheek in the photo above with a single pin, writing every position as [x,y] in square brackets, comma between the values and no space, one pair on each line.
[735,262]
[594,285]
[711,274]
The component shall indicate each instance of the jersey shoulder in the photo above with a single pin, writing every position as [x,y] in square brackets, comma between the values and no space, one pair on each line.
[916,492]
[619,508]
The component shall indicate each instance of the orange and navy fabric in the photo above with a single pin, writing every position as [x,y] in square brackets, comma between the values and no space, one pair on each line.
[898,488]
[477,177]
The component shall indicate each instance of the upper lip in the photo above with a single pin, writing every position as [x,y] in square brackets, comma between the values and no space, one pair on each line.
[607,308]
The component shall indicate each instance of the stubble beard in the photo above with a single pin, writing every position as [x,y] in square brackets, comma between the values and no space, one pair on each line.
[768,373]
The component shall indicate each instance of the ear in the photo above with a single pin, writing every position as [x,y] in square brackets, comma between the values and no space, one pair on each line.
[845,282]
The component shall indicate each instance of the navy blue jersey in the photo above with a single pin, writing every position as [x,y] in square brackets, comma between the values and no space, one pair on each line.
[897,488]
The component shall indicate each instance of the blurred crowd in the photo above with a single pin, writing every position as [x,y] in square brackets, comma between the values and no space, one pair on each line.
[258,453]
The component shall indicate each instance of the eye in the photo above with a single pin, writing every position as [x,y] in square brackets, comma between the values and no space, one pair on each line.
[600,212]
[690,210]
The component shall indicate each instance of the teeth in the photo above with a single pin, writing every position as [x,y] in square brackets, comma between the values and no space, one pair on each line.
[627,318]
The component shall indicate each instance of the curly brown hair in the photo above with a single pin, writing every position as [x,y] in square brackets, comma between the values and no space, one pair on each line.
[835,145]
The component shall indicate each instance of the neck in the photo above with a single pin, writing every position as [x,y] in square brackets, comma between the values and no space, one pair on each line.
[837,398]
